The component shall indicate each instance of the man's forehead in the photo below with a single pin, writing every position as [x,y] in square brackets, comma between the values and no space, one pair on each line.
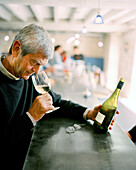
[41,61]
[39,58]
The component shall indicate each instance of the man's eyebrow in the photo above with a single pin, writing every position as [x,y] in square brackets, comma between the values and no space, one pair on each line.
[42,62]
[36,61]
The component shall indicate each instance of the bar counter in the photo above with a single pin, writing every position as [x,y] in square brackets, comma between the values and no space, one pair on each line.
[52,148]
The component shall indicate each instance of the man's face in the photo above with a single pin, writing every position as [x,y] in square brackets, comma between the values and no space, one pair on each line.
[29,64]
[60,50]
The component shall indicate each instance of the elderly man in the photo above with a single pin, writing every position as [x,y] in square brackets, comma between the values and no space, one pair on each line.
[20,104]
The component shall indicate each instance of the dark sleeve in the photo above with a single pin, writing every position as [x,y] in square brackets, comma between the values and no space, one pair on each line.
[67,107]
[15,133]
[20,128]
[16,142]
[132,132]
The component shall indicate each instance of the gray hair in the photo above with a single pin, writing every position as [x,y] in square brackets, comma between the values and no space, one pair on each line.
[34,38]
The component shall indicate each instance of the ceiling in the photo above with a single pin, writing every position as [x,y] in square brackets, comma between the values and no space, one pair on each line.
[69,15]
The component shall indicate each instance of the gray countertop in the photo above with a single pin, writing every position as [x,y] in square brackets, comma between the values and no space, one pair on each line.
[52,148]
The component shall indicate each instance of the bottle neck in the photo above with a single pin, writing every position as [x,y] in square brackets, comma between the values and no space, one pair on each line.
[117,90]
[112,100]
[116,93]
[120,84]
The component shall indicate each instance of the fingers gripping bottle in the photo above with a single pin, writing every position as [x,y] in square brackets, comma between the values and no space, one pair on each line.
[108,109]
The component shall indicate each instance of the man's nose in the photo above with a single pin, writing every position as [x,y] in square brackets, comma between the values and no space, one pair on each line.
[36,69]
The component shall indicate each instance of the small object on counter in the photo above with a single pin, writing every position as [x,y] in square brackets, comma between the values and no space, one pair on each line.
[87,93]
[77,127]
[70,129]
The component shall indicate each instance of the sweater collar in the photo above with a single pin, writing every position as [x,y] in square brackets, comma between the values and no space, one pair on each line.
[5,71]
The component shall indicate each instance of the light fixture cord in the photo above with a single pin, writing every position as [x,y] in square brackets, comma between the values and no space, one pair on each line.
[98,6]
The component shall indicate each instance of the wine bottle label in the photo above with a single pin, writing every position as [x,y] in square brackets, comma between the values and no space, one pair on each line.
[100,118]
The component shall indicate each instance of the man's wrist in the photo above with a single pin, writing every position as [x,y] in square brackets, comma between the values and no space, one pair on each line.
[31,118]
[85,113]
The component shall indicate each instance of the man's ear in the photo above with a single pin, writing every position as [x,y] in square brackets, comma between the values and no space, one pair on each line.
[16,49]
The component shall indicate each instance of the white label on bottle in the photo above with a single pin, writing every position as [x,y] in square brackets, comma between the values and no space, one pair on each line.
[100,118]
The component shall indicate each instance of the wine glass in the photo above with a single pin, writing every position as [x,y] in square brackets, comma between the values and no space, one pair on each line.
[42,84]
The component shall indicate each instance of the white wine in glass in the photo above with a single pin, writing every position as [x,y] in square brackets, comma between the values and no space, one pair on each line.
[42,88]
[42,84]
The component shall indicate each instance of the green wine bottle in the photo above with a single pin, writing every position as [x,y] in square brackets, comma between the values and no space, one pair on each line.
[108,109]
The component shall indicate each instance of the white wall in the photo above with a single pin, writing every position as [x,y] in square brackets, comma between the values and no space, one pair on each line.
[112,55]
[88,44]
[5,45]
[132,94]
[120,60]
[126,63]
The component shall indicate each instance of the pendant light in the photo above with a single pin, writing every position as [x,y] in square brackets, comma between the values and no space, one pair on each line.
[98,19]
[84,30]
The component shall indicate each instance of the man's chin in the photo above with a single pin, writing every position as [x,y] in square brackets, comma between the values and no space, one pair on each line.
[26,77]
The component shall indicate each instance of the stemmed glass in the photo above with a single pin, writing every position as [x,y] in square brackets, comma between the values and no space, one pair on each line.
[42,84]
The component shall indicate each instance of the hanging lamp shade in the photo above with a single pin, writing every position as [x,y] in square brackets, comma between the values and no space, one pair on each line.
[98,19]
[84,30]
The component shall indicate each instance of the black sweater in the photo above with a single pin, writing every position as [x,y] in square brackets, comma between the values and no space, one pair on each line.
[133,134]
[16,97]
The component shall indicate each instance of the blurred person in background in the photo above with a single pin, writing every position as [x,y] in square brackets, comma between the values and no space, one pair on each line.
[64,56]
[77,54]
[57,59]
